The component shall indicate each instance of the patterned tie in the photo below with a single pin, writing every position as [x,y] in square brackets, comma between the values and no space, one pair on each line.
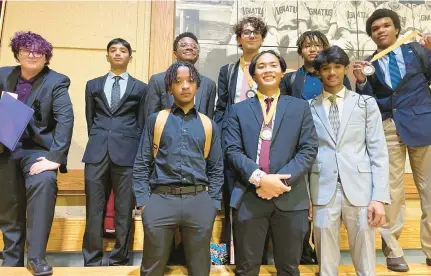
[334,117]
[265,144]
[115,93]
[394,70]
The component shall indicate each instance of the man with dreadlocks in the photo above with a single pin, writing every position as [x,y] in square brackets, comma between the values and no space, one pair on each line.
[178,176]
[29,173]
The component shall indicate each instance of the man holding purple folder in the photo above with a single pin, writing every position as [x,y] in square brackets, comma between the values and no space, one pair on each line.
[28,174]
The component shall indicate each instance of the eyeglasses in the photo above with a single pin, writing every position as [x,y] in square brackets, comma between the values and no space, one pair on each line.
[188,45]
[247,33]
[26,53]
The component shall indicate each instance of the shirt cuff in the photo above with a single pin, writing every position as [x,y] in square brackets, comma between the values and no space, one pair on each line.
[362,85]
[256,176]
[142,200]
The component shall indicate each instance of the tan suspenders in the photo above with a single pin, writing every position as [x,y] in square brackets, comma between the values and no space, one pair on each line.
[161,119]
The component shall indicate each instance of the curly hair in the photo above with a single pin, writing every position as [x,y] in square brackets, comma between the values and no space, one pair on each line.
[381,13]
[257,23]
[171,73]
[311,35]
[33,42]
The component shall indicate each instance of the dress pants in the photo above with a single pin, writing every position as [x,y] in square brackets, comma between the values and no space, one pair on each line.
[327,220]
[100,179]
[420,161]
[251,223]
[23,194]
[163,213]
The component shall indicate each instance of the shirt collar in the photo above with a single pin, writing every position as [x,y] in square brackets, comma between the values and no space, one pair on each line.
[175,108]
[340,94]
[22,80]
[123,76]
[305,72]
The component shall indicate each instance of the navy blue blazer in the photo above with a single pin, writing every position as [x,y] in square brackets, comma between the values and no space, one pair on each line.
[409,104]
[293,148]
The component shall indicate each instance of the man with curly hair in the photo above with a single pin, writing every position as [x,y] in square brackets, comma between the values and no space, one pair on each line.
[29,173]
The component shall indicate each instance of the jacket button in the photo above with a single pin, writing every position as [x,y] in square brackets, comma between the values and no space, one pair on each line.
[335,172]
[110,131]
[394,110]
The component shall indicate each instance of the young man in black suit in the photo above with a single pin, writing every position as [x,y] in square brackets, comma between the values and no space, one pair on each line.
[114,113]
[29,173]
[186,48]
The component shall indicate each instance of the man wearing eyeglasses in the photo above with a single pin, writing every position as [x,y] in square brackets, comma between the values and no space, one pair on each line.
[29,173]
[186,48]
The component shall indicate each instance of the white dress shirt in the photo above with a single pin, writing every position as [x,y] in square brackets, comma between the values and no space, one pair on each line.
[239,81]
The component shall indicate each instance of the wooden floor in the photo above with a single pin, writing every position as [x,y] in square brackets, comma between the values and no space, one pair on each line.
[344,270]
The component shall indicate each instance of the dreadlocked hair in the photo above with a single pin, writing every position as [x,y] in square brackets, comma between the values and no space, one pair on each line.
[171,73]
[312,35]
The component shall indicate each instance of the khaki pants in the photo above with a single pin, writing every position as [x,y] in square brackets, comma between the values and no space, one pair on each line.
[327,220]
[420,161]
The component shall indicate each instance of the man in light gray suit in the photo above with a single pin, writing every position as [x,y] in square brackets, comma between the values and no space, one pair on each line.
[349,179]
[186,48]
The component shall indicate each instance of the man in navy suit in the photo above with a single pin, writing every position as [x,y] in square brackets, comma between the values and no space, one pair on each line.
[115,117]
[271,144]
[401,88]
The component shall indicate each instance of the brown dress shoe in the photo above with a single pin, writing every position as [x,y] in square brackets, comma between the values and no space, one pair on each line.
[428,262]
[397,264]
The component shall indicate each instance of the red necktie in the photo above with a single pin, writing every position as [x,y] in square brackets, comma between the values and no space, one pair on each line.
[266,144]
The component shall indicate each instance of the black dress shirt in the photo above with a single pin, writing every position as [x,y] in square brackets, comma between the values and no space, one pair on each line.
[180,158]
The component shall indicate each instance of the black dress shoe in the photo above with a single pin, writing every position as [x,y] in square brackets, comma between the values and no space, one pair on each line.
[39,267]
[397,264]
[428,262]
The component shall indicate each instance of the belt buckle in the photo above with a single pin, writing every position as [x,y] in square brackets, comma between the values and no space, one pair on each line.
[176,190]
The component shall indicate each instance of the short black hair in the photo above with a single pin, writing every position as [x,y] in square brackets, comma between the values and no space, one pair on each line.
[333,54]
[182,35]
[252,68]
[119,41]
[381,13]
[171,73]
[257,23]
[311,35]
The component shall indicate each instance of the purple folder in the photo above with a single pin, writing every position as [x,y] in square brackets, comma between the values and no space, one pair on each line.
[14,118]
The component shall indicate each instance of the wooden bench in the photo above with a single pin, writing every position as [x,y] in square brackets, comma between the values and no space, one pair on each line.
[305,270]
[67,233]
[72,183]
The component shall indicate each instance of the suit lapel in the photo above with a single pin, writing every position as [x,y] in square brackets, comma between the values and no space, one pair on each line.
[12,80]
[101,90]
[35,89]
[129,89]
[317,104]
[233,83]
[282,104]
[299,85]
[257,110]
[408,60]
[348,106]
[198,96]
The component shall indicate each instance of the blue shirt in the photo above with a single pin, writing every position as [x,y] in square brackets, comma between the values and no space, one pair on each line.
[384,65]
[180,158]
[110,82]
[312,84]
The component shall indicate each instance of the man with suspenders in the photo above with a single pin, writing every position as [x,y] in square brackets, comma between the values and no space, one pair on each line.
[178,176]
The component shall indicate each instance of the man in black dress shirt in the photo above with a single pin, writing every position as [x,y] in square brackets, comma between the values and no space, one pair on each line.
[178,187]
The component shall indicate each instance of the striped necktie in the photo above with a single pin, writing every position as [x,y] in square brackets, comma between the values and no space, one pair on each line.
[394,70]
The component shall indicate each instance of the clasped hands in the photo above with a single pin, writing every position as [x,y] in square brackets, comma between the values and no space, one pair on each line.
[272,185]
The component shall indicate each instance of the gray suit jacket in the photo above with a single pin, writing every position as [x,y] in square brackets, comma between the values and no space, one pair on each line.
[158,98]
[359,156]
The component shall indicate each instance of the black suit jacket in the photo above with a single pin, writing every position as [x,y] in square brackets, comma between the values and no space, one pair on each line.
[226,95]
[158,98]
[50,129]
[293,149]
[294,88]
[115,132]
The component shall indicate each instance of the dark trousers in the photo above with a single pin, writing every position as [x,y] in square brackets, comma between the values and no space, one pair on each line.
[163,213]
[251,223]
[22,194]
[100,179]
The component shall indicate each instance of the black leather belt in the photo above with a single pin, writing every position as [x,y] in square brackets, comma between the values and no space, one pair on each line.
[176,190]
